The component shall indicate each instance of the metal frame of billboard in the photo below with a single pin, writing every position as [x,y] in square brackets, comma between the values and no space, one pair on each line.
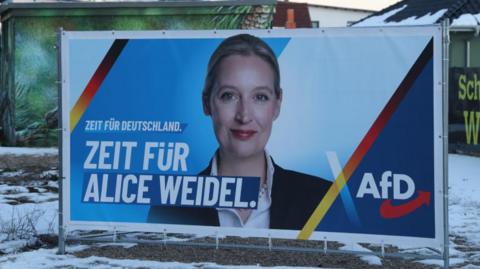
[445,76]
[440,145]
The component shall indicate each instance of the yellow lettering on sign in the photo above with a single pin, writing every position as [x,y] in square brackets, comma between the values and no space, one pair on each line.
[468,89]
[462,92]
[477,87]
[472,120]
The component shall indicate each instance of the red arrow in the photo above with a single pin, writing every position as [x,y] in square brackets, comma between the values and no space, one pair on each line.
[389,211]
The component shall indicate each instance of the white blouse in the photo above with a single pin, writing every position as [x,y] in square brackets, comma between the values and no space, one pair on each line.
[260,217]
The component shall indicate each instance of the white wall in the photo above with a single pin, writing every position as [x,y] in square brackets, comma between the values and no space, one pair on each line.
[335,17]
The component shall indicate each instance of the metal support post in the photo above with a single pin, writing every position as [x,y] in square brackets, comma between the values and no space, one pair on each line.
[445,71]
[114,235]
[269,242]
[61,228]
[165,238]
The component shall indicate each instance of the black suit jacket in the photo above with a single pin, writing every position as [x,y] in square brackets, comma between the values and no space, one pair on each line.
[294,198]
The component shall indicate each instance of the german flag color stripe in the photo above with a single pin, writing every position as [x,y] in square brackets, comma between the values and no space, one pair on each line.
[95,82]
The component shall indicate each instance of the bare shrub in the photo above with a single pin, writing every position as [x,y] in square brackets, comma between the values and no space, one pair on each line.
[51,229]
[21,225]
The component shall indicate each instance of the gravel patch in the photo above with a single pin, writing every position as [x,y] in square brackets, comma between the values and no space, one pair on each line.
[240,256]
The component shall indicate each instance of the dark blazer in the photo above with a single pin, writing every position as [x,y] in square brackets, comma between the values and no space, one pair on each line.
[294,198]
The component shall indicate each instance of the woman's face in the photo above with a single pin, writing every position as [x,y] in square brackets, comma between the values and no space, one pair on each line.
[243,105]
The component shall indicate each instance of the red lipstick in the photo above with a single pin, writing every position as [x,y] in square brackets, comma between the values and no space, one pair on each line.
[242,134]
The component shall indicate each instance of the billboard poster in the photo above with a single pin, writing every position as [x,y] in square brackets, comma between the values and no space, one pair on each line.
[330,134]
[464,109]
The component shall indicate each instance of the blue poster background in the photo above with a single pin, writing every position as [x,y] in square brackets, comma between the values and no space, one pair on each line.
[156,80]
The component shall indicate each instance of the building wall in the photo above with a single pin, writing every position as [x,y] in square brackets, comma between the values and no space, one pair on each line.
[459,49]
[335,17]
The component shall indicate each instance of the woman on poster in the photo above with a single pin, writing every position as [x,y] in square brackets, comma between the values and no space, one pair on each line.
[243,97]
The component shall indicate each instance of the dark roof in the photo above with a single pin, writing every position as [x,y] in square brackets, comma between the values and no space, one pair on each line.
[302,16]
[420,8]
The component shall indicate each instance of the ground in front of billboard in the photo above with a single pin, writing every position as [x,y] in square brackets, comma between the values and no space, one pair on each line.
[28,227]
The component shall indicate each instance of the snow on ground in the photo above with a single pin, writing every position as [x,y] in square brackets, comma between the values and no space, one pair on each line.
[43,215]
[49,173]
[41,196]
[464,197]
[47,259]
[28,151]
[464,218]
[370,259]
[20,194]
[13,174]
[452,262]
[6,189]
[11,246]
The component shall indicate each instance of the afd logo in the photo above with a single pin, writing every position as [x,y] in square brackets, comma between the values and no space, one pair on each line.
[393,187]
